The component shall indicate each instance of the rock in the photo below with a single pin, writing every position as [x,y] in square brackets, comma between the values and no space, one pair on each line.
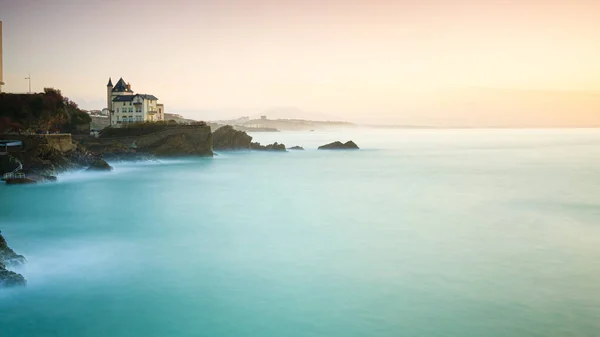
[9,258]
[10,278]
[119,152]
[271,147]
[183,144]
[349,145]
[296,148]
[42,161]
[227,138]
[99,165]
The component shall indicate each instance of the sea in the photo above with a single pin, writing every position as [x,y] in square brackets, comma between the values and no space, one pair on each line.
[421,232]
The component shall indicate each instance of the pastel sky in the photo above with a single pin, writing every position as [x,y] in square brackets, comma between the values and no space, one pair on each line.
[426,62]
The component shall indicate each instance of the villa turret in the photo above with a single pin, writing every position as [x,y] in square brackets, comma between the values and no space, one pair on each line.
[109,88]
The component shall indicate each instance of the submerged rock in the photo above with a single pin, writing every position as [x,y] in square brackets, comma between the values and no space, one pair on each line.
[227,138]
[271,147]
[99,165]
[296,148]
[9,258]
[349,145]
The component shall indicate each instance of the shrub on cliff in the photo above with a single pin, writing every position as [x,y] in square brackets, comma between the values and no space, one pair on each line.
[47,111]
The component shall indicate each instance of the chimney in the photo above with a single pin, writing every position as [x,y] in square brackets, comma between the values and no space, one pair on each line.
[128,87]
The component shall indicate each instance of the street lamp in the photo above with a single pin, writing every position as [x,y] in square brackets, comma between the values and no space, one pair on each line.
[29,78]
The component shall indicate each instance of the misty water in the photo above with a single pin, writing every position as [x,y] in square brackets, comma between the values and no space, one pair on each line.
[420,233]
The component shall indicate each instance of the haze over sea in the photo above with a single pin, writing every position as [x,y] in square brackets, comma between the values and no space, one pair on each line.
[420,233]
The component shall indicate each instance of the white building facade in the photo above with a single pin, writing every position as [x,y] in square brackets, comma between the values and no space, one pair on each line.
[124,106]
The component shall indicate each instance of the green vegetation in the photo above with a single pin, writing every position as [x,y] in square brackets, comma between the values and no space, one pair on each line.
[47,111]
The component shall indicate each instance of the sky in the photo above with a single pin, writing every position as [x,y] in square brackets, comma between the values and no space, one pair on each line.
[425,62]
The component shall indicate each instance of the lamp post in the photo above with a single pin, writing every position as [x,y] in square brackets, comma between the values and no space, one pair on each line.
[29,78]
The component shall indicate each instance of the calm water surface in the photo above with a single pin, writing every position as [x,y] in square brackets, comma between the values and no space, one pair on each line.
[421,233]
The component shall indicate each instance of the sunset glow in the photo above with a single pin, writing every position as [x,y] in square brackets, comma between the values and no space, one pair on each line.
[369,61]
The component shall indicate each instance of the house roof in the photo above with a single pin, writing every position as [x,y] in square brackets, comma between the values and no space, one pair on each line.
[123,98]
[121,86]
[129,98]
[146,96]
[109,82]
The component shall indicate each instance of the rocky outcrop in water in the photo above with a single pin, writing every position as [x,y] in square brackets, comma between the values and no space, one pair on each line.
[227,138]
[296,148]
[99,165]
[9,258]
[349,145]
[271,147]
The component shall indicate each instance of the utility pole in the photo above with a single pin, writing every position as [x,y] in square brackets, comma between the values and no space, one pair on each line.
[29,78]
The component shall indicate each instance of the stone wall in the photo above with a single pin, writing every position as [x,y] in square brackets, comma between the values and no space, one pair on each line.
[99,122]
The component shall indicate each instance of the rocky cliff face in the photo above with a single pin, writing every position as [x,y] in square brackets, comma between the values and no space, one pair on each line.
[184,145]
[44,158]
[192,140]
[227,138]
[9,258]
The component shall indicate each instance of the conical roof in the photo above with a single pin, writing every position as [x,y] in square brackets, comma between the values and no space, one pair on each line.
[121,86]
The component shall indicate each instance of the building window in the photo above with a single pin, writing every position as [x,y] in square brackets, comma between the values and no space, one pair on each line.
[117,109]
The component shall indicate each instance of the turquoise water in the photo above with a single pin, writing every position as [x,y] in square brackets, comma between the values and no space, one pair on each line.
[420,233]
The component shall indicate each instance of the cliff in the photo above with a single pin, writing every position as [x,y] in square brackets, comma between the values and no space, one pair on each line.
[9,258]
[47,111]
[228,138]
[46,155]
[155,140]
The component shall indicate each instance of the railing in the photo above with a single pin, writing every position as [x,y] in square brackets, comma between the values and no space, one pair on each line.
[13,175]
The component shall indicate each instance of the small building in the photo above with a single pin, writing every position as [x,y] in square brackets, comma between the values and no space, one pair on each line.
[125,106]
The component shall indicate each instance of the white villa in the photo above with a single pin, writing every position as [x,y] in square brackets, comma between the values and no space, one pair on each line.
[125,106]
